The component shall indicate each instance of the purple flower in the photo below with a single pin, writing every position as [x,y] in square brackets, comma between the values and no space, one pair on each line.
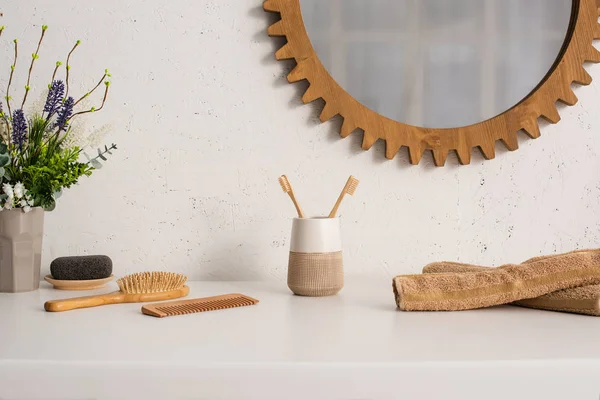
[54,99]
[62,121]
[19,128]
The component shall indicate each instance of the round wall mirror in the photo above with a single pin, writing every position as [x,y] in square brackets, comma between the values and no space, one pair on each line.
[438,75]
[437,63]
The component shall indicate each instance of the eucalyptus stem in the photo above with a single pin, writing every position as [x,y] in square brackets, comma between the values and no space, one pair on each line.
[95,87]
[94,109]
[68,67]
[12,71]
[102,153]
[34,57]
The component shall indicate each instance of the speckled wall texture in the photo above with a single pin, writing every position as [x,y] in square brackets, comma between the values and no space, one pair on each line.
[206,122]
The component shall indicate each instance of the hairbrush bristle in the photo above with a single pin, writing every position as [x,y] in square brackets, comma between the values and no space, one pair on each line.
[151,282]
[285,184]
[352,184]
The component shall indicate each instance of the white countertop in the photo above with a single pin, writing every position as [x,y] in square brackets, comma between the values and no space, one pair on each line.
[355,345]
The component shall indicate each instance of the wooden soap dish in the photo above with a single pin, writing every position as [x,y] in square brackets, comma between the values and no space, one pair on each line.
[78,285]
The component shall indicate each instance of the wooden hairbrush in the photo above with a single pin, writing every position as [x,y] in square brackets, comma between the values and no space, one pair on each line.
[181,307]
[135,288]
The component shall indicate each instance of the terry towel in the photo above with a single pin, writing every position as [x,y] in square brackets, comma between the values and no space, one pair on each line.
[501,285]
[581,300]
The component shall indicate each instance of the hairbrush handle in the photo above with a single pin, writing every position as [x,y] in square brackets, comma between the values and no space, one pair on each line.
[85,302]
[113,298]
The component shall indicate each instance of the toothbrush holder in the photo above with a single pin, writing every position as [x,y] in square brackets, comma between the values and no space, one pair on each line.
[315,265]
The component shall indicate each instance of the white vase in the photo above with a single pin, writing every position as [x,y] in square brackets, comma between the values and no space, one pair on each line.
[315,265]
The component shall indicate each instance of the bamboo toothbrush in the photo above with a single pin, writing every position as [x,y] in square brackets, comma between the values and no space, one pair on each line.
[135,288]
[287,188]
[349,188]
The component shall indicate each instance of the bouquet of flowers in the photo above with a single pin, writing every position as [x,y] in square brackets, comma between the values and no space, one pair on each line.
[39,153]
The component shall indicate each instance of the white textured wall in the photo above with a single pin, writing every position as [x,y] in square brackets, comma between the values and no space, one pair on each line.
[206,122]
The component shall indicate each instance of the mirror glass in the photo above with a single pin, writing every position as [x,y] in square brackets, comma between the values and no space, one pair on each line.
[437,63]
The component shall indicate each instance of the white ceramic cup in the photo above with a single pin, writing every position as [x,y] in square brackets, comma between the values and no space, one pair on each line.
[315,265]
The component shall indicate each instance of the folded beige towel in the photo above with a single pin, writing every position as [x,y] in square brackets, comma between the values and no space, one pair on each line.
[501,285]
[581,300]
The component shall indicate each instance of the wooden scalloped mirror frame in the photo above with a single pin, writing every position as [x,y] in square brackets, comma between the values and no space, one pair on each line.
[556,86]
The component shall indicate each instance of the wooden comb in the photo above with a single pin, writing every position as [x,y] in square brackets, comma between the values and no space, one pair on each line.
[191,306]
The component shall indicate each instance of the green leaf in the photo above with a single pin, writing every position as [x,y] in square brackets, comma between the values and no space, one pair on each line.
[2,171]
[51,206]
[4,160]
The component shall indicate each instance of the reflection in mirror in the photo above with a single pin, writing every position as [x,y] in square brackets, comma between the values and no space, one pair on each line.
[437,63]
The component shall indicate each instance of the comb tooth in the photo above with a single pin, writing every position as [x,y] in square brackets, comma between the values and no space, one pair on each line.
[173,310]
[176,310]
[229,303]
[182,309]
[190,309]
[235,302]
[224,305]
[215,305]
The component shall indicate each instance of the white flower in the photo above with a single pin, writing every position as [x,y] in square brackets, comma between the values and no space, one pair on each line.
[9,204]
[26,209]
[8,190]
[23,203]
[18,190]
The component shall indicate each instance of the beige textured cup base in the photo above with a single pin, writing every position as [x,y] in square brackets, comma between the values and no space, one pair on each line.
[315,274]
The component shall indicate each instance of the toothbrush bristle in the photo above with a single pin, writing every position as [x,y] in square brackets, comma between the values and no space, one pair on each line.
[352,184]
[285,184]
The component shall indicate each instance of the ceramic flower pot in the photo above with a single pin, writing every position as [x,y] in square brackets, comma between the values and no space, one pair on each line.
[20,249]
[315,265]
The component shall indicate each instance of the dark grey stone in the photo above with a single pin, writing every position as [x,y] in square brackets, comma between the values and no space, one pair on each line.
[81,268]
